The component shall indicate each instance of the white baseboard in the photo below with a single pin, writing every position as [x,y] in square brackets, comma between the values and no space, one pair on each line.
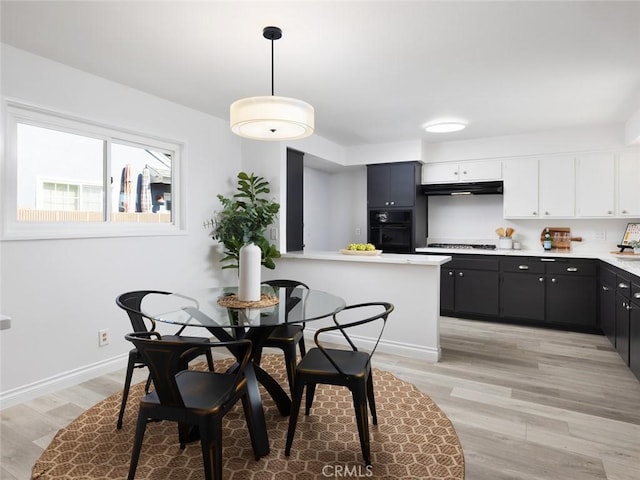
[70,378]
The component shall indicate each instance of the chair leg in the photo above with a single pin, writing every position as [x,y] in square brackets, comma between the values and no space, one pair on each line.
[211,443]
[293,415]
[209,360]
[147,385]
[257,355]
[141,425]
[125,391]
[311,391]
[303,349]
[291,363]
[359,393]
[372,399]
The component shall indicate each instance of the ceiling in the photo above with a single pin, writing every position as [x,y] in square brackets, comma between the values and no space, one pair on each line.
[375,71]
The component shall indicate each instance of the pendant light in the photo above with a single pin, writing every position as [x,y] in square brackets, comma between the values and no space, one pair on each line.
[271,117]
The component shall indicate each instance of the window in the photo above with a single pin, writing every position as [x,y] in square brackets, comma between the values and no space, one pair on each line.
[67,177]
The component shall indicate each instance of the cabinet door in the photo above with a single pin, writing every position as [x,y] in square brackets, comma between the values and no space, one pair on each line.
[447,289]
[520,177]
[402,184]
[557,187]
[595,181]
[377,185]
[440,173]
[486,170]
[607,312]
[571,300]
[476,292]
[622,327]
[634,338]
[522,296]
[628,181]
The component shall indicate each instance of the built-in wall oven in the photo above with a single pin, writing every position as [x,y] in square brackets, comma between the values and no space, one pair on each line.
[391,230]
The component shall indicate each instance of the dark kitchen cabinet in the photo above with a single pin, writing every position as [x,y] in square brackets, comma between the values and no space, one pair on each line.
[522,289]
[623,312]
[545,290]
[607,302]
[393,184]
[571,292]
[469,286]
[634,328]
[392,192]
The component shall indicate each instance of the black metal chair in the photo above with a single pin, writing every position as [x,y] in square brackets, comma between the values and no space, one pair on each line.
[287,337]
[196,400]
[130,302]
[347,367]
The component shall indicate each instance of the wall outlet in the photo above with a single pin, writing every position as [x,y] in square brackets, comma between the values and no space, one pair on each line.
[274,234]
[600,235]
[358,231]
[103,337]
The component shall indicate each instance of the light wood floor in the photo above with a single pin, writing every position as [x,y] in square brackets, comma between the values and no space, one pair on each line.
[527,403]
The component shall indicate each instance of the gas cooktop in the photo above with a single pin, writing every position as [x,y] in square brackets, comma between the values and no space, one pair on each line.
[479,246]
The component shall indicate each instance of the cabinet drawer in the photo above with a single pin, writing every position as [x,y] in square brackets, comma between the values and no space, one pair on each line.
[572,267]
[463,262]
[525,265]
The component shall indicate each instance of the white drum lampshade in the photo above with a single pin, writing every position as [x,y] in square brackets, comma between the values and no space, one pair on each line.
[272,118]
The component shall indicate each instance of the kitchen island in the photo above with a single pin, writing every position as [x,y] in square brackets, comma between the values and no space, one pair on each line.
[410,282]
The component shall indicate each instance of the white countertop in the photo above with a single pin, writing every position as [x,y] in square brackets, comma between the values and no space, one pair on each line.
[392,258]
[629,263]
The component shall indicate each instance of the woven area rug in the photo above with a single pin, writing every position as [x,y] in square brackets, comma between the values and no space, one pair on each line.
[413,440]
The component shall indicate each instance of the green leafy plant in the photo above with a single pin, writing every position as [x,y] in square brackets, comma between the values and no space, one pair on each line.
[245,218]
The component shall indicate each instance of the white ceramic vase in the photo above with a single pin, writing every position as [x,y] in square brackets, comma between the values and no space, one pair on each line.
[249,275]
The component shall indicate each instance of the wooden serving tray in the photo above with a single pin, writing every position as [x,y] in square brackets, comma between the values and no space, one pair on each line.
[565,235]
[360,252]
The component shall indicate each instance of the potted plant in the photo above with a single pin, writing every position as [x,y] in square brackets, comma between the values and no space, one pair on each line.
[243,222]
[636,246]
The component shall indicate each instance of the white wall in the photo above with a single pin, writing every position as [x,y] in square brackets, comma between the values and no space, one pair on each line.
[335,205]
[602,137]
[61,292]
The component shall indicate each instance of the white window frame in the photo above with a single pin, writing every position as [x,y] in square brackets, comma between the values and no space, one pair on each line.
[12,229]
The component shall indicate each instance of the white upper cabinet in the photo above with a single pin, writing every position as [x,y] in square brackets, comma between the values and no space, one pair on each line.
[595,185]
[629,184]
[557,187]
[520,178]
[449,172]
[539,187]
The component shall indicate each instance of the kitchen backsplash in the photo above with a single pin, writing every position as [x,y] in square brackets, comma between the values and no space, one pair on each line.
[475,219]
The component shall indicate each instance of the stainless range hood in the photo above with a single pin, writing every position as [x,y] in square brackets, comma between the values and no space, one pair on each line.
[473,188]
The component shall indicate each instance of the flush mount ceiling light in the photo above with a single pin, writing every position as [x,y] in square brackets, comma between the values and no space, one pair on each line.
[444,127]
[272,117]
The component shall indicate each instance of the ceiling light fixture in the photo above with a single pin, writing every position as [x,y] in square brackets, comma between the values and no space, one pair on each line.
[445,127]
[272,117]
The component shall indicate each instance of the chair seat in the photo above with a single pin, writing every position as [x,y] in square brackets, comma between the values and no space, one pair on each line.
[286,333]
[202,397]
[181,338]
[352,363]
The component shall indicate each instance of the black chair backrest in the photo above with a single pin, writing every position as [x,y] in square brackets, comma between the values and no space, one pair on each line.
[166,358]
[290,286]
[381,317]
[130,302]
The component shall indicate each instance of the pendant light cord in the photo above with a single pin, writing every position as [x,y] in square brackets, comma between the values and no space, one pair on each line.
[272,67]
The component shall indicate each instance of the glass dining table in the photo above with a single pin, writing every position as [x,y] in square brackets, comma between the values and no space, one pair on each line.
[217,310]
